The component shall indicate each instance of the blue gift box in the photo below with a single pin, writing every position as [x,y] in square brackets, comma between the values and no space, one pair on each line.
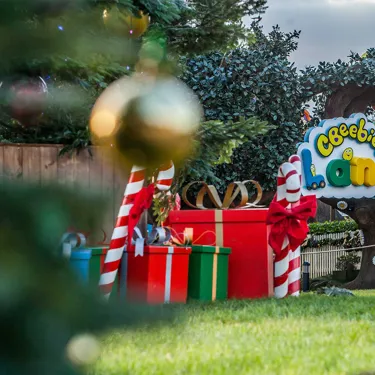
[80,262]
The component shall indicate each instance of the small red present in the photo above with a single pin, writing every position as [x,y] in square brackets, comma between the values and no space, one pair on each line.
[250,273]
[158,275]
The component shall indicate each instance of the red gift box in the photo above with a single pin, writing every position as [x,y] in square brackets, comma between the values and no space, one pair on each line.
[250,273]
[159,275]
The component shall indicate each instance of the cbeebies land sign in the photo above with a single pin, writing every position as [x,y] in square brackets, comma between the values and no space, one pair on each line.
[338,158]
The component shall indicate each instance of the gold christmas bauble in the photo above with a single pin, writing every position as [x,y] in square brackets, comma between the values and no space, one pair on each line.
[125,23]
[147,121]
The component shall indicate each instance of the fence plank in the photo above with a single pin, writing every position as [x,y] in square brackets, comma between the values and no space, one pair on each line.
[48,164]
[12,162]
[96,170]
[65,170]
[43,165]
[107,193]
[31,164]
[95,185]
[81,170]
[1,164]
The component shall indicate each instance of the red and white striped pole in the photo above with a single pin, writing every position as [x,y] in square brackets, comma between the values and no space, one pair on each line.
[294,277]
[165,177]
[120,232]
[288,192]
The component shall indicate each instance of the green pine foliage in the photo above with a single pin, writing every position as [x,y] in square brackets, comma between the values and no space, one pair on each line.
[213,25]
[215,144]
[72,50]
[43,304]
[75,53]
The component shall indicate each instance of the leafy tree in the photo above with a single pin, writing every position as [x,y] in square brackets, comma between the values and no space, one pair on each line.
[255,81]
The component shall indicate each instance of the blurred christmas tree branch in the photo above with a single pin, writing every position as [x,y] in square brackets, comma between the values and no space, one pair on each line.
[65,46]
[43,305]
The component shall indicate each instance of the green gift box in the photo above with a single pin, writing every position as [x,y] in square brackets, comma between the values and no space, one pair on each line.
[208,273]
[96,265]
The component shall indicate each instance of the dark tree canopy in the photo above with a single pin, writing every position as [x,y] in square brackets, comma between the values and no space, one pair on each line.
[341,88]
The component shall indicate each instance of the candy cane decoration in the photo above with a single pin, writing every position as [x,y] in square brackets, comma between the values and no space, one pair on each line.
[165,177]
[120,232]
[294,277]
[288,191]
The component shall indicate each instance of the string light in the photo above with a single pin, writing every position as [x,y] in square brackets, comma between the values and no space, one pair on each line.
[61,28]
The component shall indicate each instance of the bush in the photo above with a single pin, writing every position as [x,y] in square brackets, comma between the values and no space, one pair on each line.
[345,262]
[320,235]
[257,81]
[333,227]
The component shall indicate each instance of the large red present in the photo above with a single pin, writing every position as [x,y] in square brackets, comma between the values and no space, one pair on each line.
[158,275]
[250,273]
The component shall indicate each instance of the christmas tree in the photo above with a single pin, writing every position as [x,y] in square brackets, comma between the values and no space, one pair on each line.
[64,53]
[48,318]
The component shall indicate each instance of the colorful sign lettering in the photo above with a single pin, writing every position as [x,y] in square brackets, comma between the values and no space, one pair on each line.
[338,158]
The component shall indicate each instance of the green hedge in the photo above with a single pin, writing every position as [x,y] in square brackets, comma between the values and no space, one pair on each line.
[352,236]
[333,227]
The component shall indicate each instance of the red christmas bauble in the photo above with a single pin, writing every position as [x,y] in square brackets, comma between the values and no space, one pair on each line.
[27,100]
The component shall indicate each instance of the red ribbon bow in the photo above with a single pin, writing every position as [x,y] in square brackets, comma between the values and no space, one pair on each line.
[290,222]
[142,202]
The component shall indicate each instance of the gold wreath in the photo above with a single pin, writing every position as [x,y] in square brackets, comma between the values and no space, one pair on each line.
[231,194]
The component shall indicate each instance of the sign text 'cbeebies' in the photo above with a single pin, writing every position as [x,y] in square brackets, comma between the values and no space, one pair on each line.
[338,158]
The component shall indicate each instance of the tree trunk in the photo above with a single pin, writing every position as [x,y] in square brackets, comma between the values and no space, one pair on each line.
[366,276]
[338,102]
[363,212]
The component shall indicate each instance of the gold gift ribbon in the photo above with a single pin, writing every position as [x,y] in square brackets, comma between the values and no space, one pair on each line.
[219,243]
[219,228]
[214,273]
[233,190]
[186,238]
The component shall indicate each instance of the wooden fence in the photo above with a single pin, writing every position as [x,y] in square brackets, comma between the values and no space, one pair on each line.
[42,165]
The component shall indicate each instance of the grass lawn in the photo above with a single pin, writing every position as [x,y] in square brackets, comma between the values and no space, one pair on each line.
[313,334]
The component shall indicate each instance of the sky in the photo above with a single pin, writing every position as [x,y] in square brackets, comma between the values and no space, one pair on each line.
[330,28]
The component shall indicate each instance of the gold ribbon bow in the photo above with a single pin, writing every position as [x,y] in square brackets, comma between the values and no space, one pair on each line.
[186,238]
[233,190]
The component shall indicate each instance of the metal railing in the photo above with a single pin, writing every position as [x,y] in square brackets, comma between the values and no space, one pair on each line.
[323,259]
